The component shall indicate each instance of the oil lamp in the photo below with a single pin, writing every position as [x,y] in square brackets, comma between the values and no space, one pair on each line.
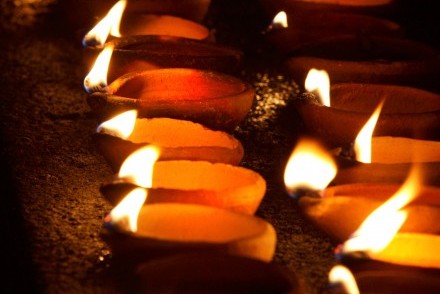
[178,139]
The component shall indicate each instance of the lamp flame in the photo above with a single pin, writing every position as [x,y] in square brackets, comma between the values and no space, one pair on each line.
[340,275]
[279,21]
[309,167]
[362,144]
[379,228]
[96,79]
[126,213]
[120,126]
[319,81]
[108,25]
[138,166]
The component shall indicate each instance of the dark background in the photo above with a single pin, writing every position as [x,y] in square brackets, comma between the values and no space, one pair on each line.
[51,210]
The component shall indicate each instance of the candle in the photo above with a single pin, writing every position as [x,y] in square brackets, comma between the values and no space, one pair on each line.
[215,100]
[177,139]
[204,272]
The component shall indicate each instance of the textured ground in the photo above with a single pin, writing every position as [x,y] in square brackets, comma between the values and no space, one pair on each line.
[50,205]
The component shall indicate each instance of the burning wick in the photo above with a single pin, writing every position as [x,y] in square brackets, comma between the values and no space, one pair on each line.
[124,216]
[109,25]
[96,80]
[319,81]
[362,144]
[341,277]
[309,170]
[120,126]
[138,167]
[278,22]
[379,228]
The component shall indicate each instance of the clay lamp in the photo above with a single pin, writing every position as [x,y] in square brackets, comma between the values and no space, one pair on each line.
[386,159]
[289,31]
[407,112]
[178,139]
[384,261]
[216,100]
[368,60]
[81,13]
[137,232]
[153,51]
[117,23]
[194,182]
[214,273]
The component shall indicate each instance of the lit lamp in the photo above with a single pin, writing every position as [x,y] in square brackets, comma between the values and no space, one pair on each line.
[339,209]
[407,112]
[384,261]
[138,232]
[288,31]
[216,100]
[178,139]
[151,42]
[194,182]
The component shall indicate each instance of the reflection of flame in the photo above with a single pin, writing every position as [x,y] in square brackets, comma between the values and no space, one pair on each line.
[138,167]
[379,228]
[309,167]
[362,144]
[319,81]
[120,126]
[97,77]
[280,20]
[125,214]
[341,275]
[108,25]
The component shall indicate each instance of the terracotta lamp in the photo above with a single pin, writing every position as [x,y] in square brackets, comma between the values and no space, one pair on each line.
[342,208]
[214,273]
[178,139]
[369,60]
[215,100]
[136,53]
[196,182]
[310,27]
[407,112]
[381,258]
[83,13]
[171,228]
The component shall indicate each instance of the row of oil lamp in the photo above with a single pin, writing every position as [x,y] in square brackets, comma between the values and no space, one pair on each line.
[183,203]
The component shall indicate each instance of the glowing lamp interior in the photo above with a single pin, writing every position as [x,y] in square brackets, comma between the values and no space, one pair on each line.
[280,20]
[120,126]
[126,213]
[319,81]
[379,228]
[309,167]
[138,167]
[340,275]
[108,25]
[362,144]
[97,77]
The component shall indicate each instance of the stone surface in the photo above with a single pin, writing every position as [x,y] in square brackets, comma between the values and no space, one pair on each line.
[51,208]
